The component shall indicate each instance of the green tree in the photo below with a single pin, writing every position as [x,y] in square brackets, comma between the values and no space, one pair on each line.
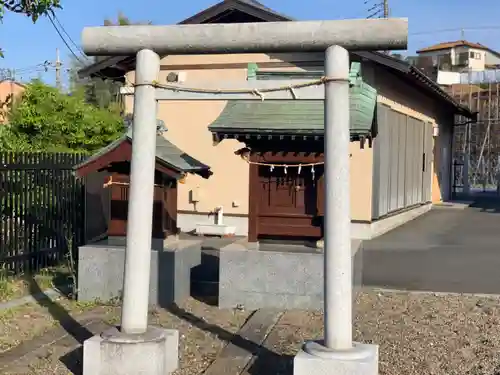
[99,90]
[46,119]
[30,8]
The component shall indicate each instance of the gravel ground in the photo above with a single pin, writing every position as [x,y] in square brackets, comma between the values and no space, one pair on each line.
[417,333]
[203,331]
[27,321]
[420,334]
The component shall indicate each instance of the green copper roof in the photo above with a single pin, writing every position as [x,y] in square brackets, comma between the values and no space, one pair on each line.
[166,152]
[290,116]
[271,116]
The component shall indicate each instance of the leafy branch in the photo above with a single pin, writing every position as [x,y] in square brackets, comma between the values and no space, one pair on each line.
[30,8]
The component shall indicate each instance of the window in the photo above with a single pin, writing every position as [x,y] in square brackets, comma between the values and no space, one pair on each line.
[475,55]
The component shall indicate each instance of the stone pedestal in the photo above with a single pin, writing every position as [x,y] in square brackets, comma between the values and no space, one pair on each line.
[100,271]
[115,353]
[259,279]
[315,359]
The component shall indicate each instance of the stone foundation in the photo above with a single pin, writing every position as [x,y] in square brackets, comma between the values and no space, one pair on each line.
[281,278]
[101,265]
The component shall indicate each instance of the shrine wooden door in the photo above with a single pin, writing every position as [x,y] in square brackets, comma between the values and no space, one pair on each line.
[288,202]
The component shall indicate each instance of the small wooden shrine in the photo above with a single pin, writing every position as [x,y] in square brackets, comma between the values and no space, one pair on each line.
[284,146]
[107,186]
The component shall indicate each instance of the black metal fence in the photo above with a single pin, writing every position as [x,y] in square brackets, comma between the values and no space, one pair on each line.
[41,210]
[458,179]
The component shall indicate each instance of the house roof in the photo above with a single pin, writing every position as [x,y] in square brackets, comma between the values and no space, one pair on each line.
[166,153]
[447,45]
[251,7]
[117,66]
[13,82]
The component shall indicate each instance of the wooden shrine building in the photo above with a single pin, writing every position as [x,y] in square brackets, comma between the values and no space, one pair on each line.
[284,146]
[107,185]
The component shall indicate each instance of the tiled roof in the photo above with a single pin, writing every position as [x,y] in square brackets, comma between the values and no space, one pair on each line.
[447,45]
[259,5]
[289,116]
[166,152]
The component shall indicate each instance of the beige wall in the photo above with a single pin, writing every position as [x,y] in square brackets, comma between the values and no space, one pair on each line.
[187,123]
[8,88]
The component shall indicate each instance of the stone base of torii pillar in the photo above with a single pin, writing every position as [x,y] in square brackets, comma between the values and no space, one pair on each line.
[315,358]
[154,352]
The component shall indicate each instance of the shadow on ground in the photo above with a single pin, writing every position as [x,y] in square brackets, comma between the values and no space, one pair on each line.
[487,203]
[266,361]
[72,360]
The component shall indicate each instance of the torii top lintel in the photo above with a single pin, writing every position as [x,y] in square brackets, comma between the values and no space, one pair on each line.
[299,36]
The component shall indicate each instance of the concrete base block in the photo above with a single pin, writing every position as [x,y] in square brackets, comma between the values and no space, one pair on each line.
[215,230]
[101,265]
[116,353]
[367,231]
[315,359]
[277,279]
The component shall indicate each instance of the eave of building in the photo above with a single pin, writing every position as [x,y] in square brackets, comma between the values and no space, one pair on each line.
[413,74]
[272,135]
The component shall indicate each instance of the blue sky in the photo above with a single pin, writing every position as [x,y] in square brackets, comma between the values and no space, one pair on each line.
[26,45]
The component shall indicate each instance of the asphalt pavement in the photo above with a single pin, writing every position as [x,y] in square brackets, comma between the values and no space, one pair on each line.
[445,250]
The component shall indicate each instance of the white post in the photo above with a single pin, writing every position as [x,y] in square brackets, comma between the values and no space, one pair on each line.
[337,225]
[220,215]
[140,207]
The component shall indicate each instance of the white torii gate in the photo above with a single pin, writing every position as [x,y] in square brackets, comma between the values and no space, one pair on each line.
[337,352]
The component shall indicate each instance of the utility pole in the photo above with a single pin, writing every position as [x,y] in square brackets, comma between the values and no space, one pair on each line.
[386,15]
[58,70]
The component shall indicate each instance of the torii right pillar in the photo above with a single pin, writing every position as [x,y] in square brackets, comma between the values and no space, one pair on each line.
[337,353]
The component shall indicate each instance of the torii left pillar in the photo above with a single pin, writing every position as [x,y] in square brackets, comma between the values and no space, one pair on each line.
[134,347]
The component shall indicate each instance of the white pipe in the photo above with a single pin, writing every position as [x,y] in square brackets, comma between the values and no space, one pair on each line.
[357,34]
[220,215]
[337,220]
[140,204]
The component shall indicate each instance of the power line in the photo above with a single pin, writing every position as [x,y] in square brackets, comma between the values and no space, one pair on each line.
[64,39]
[461,29]
[7,73]
[69,36]
[78,58]
[379,9]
